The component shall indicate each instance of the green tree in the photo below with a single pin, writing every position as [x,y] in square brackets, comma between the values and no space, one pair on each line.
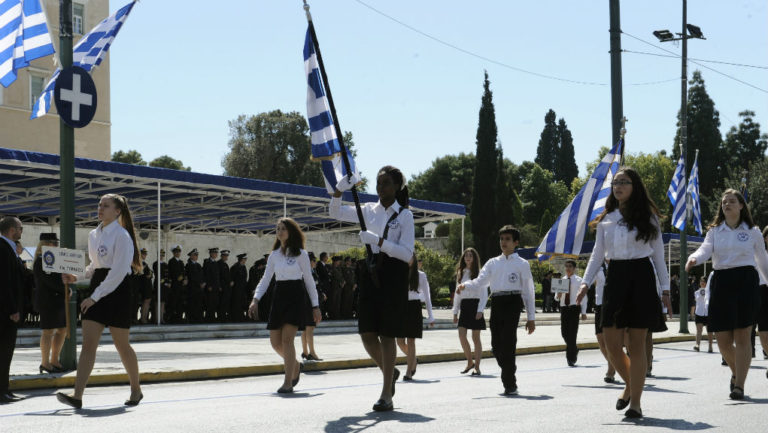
[166,161]
[546,152]
[483,205]
[704,134]
[454,237]
[448,180]
[757,192]
[438,267]
[744,145]
[540,192]
[130,157]
[505,212]
[565,162]
[656,171]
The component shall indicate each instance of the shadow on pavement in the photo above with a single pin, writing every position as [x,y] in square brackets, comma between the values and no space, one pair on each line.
[672,424]
[372,419]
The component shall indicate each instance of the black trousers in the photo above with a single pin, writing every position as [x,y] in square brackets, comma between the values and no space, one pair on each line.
[505,316]
[7,346]
[569,329]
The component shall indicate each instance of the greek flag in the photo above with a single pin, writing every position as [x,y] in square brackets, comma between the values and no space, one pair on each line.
[676,194]
[23,37]
[87,54]
[567,234]
[693,194]
[325,143]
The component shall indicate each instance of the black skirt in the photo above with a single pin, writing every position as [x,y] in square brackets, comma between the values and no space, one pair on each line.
[288,305]
[598,319]
[734,299]
[49,297]
[631,299]
[309,318]
[701,319]
[114,309]
[382,310]
[467,313]
[762,317]
[414,321]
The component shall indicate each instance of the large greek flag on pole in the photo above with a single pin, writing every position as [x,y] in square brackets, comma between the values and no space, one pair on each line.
[567,234]
[87,54]
[693,194]
[676,191]
[325,143]
[23,37]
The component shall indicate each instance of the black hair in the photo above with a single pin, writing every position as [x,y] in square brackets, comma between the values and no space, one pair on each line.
[508,229]
[571,261]
[474,270]
[401,190]
[639,211]
[295,242]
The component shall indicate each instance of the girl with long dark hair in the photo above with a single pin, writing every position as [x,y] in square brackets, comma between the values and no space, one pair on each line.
[629,236]
[113,252]
[468,305]
[383,288]
[740,261]
[289,263]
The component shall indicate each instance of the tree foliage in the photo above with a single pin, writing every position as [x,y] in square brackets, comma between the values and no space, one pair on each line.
[448,180]
[546,152]
[565,159]
[166,161]
[129,157]
[744,145]
[540,193]
[483,205]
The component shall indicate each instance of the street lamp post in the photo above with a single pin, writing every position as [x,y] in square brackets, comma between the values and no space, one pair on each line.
[688,31]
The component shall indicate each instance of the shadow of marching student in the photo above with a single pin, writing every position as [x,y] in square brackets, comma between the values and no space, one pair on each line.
[349,424]
[672,424]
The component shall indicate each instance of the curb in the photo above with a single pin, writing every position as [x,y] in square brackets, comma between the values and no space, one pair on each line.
[67,381]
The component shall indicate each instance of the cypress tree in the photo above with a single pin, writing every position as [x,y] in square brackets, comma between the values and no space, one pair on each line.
[744,145]
[565,167]
[505,213]
[483,208]
[546,152]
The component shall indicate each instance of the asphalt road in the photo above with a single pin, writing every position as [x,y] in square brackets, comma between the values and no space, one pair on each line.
[689,392]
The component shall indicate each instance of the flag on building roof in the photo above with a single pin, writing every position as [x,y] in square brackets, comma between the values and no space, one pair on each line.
[24,37]
[325,143]
[87,54]
[567,234]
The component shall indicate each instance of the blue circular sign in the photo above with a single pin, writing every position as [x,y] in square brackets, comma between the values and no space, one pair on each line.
[48,258]
[75,96]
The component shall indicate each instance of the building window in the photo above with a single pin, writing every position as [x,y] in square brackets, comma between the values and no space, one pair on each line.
[36,84]
[78,18]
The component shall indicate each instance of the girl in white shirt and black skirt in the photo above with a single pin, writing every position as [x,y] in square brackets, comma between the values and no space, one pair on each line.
[418,292]
[628,235]
[289,263]
[468,306]
[383,290]
[113,252]
[700,311]
[740,262]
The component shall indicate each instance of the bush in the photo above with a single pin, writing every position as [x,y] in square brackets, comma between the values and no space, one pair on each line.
[442,230]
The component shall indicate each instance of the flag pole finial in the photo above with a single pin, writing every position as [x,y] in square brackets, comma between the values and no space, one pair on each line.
[306,9]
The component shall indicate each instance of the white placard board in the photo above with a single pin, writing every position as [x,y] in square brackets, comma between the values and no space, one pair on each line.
[63,260]
[560,285]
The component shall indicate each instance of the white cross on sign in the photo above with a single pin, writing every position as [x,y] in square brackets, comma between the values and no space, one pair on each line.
[76,97]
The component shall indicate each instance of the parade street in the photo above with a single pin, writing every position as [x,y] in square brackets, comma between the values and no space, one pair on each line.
[689,391]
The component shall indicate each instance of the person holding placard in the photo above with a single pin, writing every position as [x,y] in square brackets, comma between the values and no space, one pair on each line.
[49,300]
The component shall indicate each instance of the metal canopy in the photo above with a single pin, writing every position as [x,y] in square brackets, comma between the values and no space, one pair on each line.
[189,202]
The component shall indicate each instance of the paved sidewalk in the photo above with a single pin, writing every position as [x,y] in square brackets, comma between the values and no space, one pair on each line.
[161,361]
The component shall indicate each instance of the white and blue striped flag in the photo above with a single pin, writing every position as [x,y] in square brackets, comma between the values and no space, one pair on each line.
[325,143]
[23,37]
[677,196]
[693,194]
[567,234]
[87,54]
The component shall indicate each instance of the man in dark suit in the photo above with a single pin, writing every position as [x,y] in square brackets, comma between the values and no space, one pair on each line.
[238,305]
[11,301]
[196,288]
[212,285]
[177,294]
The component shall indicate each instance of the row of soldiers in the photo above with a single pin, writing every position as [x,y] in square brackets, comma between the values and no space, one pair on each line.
[214,291]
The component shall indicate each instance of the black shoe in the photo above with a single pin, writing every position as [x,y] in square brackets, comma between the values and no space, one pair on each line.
[511,390]
[46,370]
[609,379]
[9,398]
[69,401]
[571,363]
[468,368]
[312,357]
[724,363]
[58,368]
[383,406]
[733,382]
[395,376]
[737,393]
[283,390]
[130,402]
[475,373]
[304,356]
[407,378]
[621,404]
[631,413]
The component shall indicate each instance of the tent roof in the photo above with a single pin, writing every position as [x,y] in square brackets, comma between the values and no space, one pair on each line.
[191,202]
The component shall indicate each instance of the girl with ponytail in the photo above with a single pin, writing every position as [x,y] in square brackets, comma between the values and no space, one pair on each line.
[113,252]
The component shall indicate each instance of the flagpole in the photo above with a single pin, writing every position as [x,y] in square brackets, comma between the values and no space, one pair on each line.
[336,124]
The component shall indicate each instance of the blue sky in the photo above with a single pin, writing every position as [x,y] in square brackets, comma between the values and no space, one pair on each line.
[182,69]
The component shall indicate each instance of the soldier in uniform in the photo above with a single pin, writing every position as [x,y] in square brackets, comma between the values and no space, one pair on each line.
[195,288]
[337,285]
[212,285]
[239,302]
[137,283]
[176,296]
[323,281]
[226,283]
[348,291]
[165,286]
[254,276]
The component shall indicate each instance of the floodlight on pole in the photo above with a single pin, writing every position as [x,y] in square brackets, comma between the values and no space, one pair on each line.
[663,35]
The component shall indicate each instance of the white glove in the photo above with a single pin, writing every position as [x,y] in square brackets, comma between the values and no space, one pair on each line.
[368,237]
[346,183]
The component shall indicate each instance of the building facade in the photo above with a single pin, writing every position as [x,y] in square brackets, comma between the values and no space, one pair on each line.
[17,131]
